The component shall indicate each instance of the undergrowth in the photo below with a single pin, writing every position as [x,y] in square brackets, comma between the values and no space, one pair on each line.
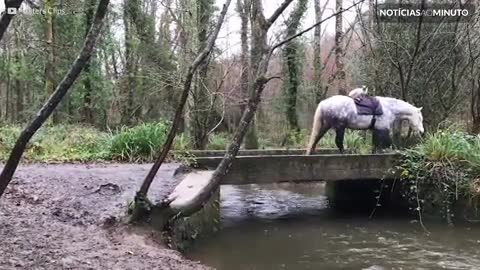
[442,172]
[354,140]
[64,143]
[59,143]
[139,143]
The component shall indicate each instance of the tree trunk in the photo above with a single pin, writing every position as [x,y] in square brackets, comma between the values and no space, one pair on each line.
[339,65]
[232,151]
[55,98]
[129,70]
[248,114]
[475,98]
[141,196]
[292,68]
[18,81]
[201,96]
[259,29]
[185,27]
[3,85]
[258,49]
[87,83]
[50,61]
[243,9]
[19,101]
[371,16]
[317,60]
[8,110]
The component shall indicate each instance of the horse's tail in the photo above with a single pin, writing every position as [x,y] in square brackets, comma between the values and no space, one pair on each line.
[315,135]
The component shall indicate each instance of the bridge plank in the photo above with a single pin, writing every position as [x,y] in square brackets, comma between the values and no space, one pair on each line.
[259,152]
[287,168]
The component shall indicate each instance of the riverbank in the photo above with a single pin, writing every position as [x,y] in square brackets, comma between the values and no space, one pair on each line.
[441,176]
[66,216]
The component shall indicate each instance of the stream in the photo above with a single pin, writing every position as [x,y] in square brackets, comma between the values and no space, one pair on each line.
[291,226]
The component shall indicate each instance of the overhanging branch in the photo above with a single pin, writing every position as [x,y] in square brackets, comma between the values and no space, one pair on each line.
[278,11]
[288,39]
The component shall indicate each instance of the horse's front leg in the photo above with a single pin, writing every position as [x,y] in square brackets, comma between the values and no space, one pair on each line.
[387,139]
[380,140]
[339,136]
[375,140]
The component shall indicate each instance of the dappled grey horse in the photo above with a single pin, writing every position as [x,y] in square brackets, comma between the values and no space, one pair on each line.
[340,112]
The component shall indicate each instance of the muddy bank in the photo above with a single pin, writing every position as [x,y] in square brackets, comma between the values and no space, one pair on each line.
[61,216]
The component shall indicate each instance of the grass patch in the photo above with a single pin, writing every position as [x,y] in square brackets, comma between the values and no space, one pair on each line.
[139,143]
[354,140]
[441,172]
[64,143]
[218,141]
[58,143]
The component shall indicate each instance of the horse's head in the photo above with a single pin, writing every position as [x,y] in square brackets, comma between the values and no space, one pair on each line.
[416,120]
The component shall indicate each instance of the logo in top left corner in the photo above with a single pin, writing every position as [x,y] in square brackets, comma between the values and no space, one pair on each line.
[12,11]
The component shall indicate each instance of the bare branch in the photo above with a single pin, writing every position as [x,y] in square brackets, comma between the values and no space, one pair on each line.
[288,39]
[141,194]
[278,12]
[273,78]
[32,4]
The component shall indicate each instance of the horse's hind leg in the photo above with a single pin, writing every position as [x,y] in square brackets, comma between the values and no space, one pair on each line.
[339,135]
[315,138]
[320,127]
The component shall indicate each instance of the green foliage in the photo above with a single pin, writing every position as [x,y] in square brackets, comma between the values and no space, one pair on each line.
[298,138]
[8,136]
[218,141]
[181,142]
[442,171]
[58,143]
[65,143]
[448,145]
[139,143]
[353,140]
[80,143]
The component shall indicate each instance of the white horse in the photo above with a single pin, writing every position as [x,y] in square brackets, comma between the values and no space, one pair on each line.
[340,112]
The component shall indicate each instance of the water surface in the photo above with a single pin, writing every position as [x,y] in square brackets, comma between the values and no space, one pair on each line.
[287,226]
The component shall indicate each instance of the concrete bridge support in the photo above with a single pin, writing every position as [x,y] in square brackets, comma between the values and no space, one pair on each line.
[366,195]
[352,180]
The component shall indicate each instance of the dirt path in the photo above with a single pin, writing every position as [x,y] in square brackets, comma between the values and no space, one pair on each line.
[55,216]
